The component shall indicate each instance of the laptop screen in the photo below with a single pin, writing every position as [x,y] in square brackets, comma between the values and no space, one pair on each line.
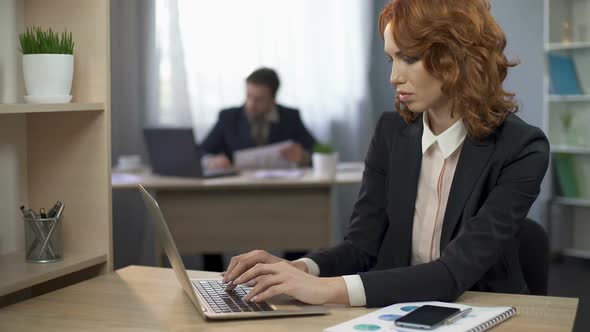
[173,151]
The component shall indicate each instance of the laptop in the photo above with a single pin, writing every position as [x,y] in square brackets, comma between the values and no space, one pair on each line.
[208,295]
[173,152]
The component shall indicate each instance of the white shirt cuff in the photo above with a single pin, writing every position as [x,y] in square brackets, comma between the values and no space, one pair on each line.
[205,162]
[312,267]
[356,290]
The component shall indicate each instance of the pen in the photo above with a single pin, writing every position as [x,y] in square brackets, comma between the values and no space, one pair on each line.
[457,316]
[60,210]
[53,212]
[25,212]
[33,214]
[47,239]
[42,213]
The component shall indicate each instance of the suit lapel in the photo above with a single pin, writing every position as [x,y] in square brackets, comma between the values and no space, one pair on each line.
[474,157]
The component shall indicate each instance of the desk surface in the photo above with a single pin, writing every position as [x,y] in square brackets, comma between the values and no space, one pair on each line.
[348,173]
[146,298]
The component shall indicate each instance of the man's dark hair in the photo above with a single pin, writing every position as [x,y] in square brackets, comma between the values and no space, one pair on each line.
[265,76]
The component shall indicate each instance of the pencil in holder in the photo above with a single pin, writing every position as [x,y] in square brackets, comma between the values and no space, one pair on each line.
[43,240]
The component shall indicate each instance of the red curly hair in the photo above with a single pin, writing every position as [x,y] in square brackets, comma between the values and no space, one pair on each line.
[461,45]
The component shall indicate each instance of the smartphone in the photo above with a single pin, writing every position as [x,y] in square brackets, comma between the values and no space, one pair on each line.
[427,317]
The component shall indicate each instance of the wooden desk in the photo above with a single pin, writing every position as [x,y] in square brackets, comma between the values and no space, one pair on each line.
[243,213]
[145,298]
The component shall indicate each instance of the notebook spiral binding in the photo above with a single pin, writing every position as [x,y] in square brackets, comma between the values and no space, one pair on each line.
[494,321]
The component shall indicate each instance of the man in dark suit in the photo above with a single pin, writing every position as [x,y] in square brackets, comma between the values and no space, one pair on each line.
[260,121]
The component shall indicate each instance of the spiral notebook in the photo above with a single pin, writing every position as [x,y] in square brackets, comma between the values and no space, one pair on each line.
[479,319]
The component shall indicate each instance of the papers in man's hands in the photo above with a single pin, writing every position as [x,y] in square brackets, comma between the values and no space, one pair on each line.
[479,319]
[264,157]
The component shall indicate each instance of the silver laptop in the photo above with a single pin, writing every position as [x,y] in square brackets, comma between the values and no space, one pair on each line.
[209,295]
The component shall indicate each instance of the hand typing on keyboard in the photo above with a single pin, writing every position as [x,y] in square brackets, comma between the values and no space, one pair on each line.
[274,276]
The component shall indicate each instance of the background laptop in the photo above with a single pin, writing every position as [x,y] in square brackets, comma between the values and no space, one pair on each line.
[209,295]
[173,152]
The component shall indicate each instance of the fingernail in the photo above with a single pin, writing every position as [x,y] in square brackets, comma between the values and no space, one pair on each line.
[255,299]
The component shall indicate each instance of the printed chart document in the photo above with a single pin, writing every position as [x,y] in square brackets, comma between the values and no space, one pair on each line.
[264,157]
[479,319]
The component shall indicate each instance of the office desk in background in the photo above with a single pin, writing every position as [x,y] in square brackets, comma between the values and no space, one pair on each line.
[147,298]
[242,213]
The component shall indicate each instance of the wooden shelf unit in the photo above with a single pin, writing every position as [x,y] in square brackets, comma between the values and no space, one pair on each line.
[17,276]
[49,108]
[60,152]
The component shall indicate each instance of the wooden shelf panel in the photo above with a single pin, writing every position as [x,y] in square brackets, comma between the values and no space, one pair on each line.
[48,108]
[578,253]
[569,149]
[17,274]
[569,98]
[578,202]
[566,46]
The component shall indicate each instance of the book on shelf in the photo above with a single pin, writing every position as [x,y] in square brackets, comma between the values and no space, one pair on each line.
[583,172]
[562,71]
[566,175]
[582,64]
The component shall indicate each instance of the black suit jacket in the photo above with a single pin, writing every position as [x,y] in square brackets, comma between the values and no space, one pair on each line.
[496,181]
[232,131]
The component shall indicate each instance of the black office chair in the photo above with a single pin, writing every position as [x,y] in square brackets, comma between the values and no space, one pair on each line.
[534,256]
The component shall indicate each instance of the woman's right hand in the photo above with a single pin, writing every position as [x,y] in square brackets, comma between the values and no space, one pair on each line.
[242,263]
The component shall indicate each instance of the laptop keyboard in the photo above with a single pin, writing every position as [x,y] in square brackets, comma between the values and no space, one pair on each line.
[222,301]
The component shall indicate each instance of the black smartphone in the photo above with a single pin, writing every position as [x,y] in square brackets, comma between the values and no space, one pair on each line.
[427,317]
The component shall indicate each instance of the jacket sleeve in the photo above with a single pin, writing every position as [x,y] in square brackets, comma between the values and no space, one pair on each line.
[369,222]
[215,142]
[302,135]
[480,241]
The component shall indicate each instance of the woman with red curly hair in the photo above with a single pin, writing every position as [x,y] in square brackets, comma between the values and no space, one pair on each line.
[448,178]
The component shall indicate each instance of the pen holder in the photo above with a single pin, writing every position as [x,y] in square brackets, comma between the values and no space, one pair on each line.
[43,240]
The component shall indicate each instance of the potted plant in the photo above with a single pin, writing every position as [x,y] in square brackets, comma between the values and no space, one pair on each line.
[48,65]
[324,160]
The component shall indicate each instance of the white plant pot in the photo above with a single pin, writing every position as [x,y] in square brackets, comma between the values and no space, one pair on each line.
[324,165]
[48,77]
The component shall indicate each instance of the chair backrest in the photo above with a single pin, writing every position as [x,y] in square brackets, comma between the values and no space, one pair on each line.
[534,256]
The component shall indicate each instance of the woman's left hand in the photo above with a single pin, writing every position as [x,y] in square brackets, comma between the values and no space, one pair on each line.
[283,278]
